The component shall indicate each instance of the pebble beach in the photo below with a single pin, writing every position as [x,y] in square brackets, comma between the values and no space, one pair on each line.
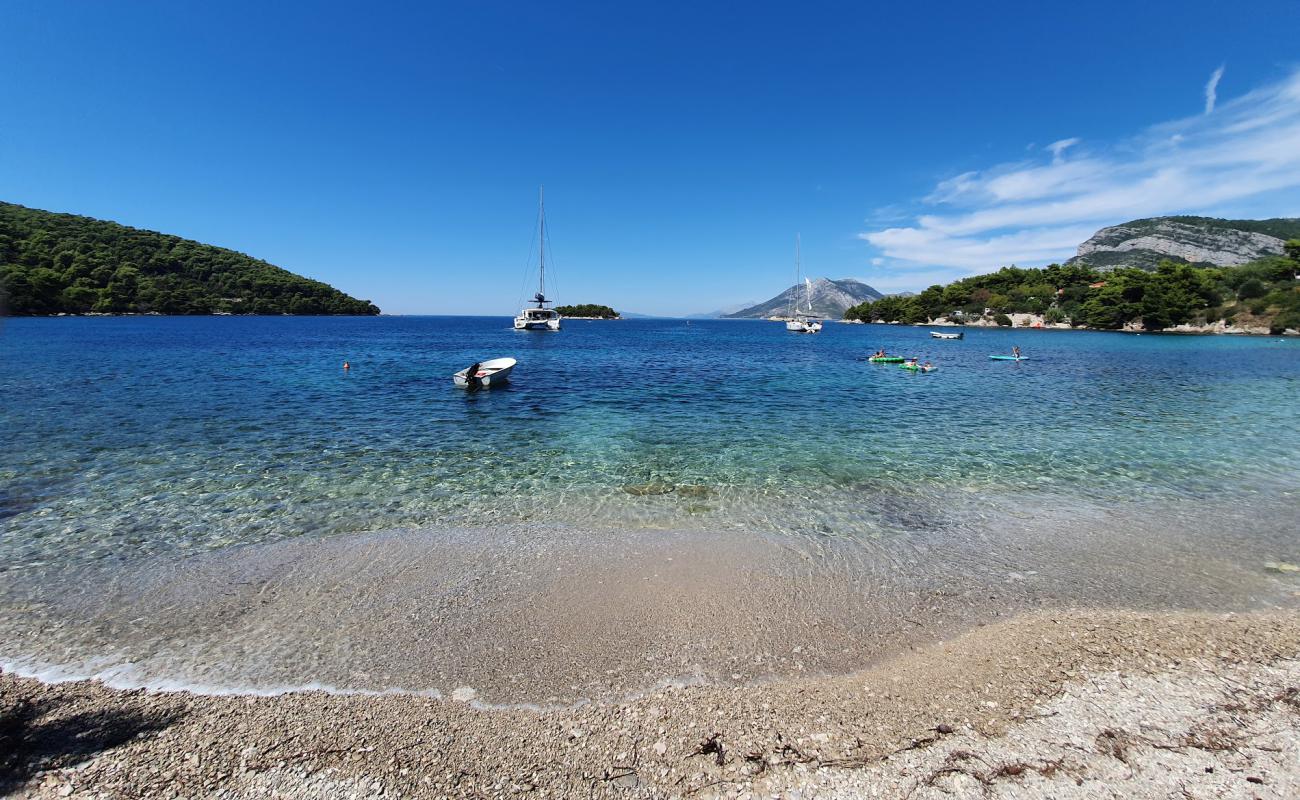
[1063,704]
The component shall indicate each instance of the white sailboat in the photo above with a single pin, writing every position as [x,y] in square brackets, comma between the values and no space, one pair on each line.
[800,321]
[539,317]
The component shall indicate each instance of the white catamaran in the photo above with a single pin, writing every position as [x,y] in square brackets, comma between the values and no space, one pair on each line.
[539,317]
[800,321]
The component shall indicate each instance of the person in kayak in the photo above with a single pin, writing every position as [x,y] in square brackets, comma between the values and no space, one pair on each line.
[911,362]
[927,366]
[879,353]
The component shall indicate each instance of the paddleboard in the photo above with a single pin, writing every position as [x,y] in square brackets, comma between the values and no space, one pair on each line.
[1009,358]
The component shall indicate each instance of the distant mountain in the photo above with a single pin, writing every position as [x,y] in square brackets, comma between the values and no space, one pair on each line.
[721,312]
[60,263]
[830,299]
[1204,241]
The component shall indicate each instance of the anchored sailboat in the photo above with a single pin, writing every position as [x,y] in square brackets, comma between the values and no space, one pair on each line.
[800,321]
[539,317]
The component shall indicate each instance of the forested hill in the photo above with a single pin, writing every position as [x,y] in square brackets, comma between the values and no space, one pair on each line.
[587,310]
[1263,294]
[61,263]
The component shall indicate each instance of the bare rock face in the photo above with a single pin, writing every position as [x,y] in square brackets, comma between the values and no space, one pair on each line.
[830,299]
[1144,243]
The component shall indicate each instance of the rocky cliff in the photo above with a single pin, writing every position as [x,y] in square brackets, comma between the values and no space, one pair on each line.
[1204,241]
[829,299]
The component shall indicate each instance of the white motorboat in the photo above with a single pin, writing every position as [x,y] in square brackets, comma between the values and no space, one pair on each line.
[493,372]
[938,335]
[800,321]
[539,317]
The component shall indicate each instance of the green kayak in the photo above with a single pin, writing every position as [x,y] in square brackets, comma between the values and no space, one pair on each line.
[886,359]
[919,368]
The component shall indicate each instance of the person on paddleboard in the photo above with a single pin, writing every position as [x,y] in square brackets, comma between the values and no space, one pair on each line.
[1015,351]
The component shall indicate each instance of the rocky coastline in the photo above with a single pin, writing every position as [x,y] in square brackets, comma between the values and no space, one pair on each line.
[1037,322]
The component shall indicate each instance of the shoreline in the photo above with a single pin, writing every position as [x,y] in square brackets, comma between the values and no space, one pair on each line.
[1066,704]
[1208,329]
[552,616]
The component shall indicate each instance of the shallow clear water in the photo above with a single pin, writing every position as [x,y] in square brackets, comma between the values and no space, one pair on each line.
[134,434]
[1141,471]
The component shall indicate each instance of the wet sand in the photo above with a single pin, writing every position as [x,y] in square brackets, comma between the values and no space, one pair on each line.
[1062,703]
[549,616]
[985,659]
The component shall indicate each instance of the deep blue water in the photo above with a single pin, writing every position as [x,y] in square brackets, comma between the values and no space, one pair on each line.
[154,434]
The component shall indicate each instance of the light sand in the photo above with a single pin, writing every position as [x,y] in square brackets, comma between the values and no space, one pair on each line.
[1065,704]
[551,616]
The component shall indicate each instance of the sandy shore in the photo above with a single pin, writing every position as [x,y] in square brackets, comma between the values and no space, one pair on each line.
[1059,704]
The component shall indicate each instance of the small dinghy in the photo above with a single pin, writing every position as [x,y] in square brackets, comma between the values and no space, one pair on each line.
[484,374]
[938,335]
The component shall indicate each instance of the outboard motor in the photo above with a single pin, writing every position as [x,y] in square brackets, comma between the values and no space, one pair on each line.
[472,381]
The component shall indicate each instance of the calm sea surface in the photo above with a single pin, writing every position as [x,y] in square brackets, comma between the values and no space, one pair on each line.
[131,434]
[135,438]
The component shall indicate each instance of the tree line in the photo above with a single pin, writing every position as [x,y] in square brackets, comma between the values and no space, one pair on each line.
[587,310]
[61,263]
[1261,292]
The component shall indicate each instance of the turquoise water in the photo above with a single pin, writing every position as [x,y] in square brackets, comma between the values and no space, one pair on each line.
[213,503]
[130,436]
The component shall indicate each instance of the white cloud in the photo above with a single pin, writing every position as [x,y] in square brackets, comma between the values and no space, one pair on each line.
[914,281]
[932,247]
[1058,148]
[953,188]
[1212,89]
[1038,211]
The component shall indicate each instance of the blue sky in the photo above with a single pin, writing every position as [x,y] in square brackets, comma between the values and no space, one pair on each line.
[395,150]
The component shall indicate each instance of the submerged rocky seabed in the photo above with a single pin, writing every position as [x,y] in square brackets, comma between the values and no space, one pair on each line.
[547,615]
[212,503]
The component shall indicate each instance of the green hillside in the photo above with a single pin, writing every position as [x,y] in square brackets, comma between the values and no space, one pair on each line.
[61,263]
[587,310]
[1262,293]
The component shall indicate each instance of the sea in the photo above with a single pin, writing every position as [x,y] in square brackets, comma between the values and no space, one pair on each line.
[215,503]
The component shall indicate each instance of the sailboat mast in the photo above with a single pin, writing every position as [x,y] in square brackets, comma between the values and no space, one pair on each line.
[541,242]
[798,273]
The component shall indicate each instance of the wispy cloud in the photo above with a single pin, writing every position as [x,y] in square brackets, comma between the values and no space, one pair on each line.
[1038,210]
[1212,89]
[1058,148]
